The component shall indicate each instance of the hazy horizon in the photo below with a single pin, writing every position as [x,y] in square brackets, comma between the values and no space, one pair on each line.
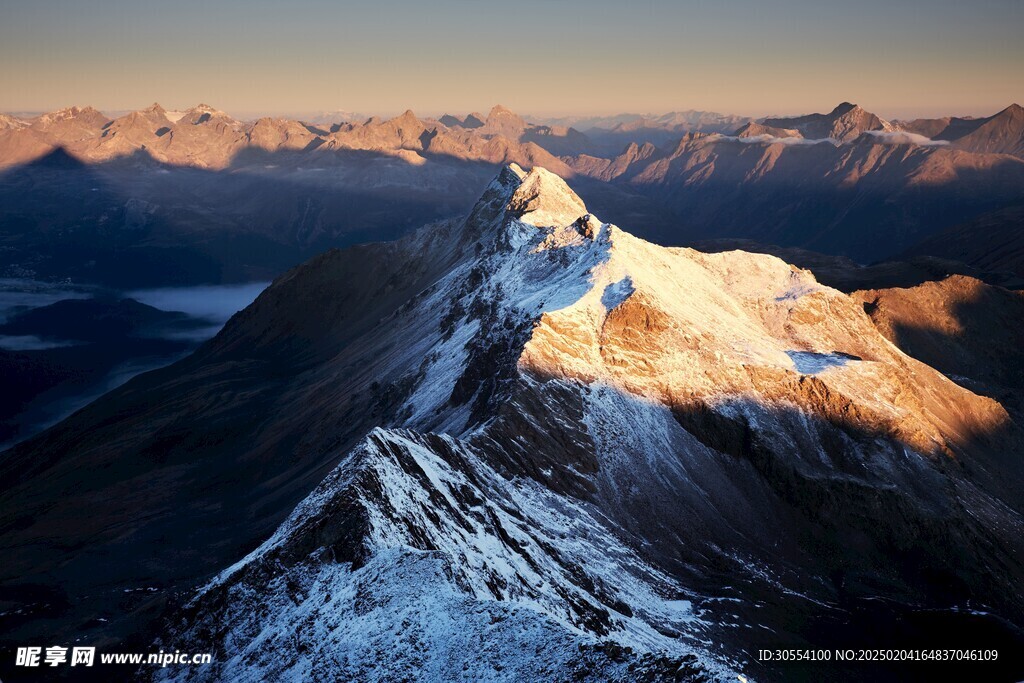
[301,115]
[905,60]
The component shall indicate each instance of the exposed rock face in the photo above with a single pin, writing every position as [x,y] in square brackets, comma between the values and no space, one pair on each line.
[644,345]
[281,134]
[503,121]
[630,162]
[70,125]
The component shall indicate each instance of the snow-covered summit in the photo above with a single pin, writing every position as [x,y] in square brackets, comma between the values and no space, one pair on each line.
[543,199]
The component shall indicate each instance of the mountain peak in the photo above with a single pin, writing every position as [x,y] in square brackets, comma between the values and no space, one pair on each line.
[503,119]
[66,113]
[512,170]
[66,125]
[543,199]
[204,109]
[845,123]
[474,120]
[1013,110]
[843,108]
[407,121]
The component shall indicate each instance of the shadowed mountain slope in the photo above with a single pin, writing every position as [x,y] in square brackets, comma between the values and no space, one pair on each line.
[993,241]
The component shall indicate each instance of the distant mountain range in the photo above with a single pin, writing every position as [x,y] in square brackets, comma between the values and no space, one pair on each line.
[996,134]
[158,196]
[203,136]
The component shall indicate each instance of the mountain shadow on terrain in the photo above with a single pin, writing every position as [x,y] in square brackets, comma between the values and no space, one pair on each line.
[134,222]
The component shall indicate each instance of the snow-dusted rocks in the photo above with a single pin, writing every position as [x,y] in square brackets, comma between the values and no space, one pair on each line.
[413,559]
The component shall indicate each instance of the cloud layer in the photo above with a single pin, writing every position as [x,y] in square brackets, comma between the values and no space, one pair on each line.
[900,137]
[772,140]
[897,137]
[215,303]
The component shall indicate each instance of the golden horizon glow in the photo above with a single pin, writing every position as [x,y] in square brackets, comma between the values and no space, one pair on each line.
[748,58]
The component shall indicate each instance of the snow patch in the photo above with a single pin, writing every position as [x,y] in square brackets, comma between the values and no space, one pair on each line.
[811,362]
[617,292]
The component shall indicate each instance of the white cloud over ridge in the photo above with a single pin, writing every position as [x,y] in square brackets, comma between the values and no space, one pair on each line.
[900,137]
[772,140]
[896,137]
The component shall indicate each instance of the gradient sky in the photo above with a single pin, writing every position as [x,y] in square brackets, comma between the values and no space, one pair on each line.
[898,58]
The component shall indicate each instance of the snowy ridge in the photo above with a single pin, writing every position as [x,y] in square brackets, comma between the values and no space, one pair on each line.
[483,543]
[434,506]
